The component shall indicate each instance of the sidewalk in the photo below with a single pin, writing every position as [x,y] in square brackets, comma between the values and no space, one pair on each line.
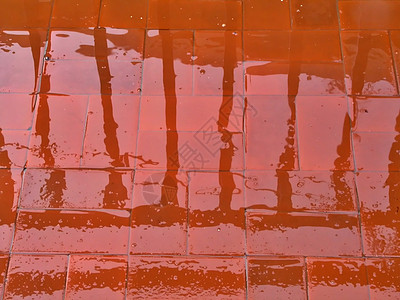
[199,149]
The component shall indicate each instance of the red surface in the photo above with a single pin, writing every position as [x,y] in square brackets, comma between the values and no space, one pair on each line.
[199,149]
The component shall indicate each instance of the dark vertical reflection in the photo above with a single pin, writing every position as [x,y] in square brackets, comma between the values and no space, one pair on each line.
[287,159]
[115,193]
[393,181]
[7,189]
[226,180]
[169,187]
[35,41]
[360,65]
[167,212]
[55,184]
[103,69]
[342,190]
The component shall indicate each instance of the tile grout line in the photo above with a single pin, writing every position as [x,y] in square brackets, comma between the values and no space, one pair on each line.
[358,204]
[244,110]
[254,255]
[85,126]
[367,278]
[306,275]
[187,194]
[244,136]
[130,228]
[66,276]
[127,275]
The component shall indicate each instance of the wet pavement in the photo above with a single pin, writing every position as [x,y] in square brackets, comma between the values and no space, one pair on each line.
[199,149]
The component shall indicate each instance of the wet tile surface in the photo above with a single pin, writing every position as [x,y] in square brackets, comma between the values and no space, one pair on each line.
[216,214]
[380,220]
[96,276]
[61,188]
[182,278]
[324,121]
[159,215]
[301,190]
[79,231]
[202,149]
[272,233]
[331,278]
[383,275]
[277,278]
[368,63]
[36,277]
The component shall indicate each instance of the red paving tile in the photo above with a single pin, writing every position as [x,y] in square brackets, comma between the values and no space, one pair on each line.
[383,277]
[153,117]
[333,278]
[111,131]
[375,114]
[216,214]
[159,215]
[10,186]
[383,147]
[380,221]
[369,14]
[218,56]
[80,231]
[207,149]
[317,14]
[121,44]
[13,148]
[52,143]
[259,14]
[301,190]
[21,54]
[20,13]
[36,277]
[16,111]
[123,14]
[75,14]
[84,77]
[304,46]
[275,118]
[198,150]
[202,14]
[183,278]
[60,188]
[368,63]
[100,277]
[168,63]
[324,121]
[276,233]
[276,78]
[276,278]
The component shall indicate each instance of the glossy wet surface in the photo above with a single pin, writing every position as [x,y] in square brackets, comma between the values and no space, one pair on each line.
[199,149]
